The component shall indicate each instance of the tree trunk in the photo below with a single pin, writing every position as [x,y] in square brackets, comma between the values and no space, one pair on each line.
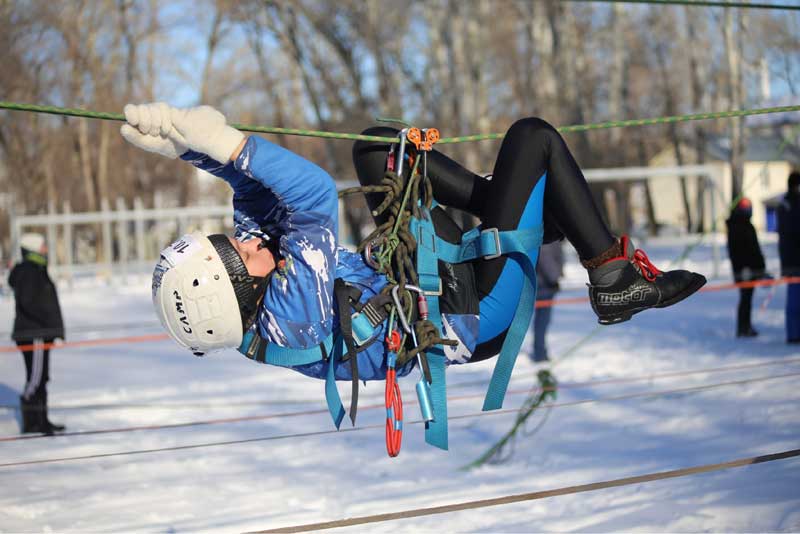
[85,158]
[736,97]
[698,96]
[616,90]
[671,109]
[571,61]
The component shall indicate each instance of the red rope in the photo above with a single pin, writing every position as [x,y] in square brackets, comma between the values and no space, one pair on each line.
[394,414]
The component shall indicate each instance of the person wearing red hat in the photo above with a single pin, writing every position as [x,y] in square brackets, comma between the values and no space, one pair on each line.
[747,262]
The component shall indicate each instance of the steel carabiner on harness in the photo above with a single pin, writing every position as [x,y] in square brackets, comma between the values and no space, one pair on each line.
[423,386]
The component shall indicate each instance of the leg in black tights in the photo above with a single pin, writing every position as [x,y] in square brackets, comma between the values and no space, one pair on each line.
[531,148]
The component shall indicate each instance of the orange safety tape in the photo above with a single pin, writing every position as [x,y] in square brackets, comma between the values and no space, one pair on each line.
[539,304]
[88,343]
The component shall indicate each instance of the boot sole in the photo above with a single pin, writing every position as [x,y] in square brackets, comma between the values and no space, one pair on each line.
[692,288]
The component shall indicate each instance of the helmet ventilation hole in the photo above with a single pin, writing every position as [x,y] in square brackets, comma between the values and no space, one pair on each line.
[195,283]
[210,332]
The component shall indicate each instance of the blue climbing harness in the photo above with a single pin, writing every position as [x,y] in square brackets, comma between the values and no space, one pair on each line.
[520,245]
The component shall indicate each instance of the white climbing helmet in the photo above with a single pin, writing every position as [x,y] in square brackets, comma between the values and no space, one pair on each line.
[203,294]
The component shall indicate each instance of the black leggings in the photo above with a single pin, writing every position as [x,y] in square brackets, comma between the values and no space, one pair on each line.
[37,368]
[530,149]
[744,313]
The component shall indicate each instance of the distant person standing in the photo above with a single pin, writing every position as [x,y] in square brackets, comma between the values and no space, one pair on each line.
[37,322]
[747,261]
[549,270]
[789,248]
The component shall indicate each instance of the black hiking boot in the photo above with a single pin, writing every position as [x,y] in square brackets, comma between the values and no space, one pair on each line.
[746,332]
[31,416]
[623,286]
[48,426]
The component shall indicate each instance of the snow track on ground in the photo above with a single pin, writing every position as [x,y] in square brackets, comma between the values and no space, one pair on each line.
[259,485]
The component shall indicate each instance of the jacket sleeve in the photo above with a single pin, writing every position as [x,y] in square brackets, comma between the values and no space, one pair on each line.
[297,309]
[282,195]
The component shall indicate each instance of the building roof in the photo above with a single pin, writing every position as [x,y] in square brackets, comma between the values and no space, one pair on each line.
[759,148]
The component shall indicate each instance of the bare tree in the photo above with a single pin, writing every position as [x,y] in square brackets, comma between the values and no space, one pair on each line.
[698,97]
[732,25]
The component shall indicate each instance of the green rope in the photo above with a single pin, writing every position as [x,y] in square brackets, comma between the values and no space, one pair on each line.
[74,112]
[698,3]
[547,390]
[636,122]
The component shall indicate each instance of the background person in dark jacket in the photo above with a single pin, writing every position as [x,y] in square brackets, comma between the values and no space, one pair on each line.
[789,248]
[38,321]
[747,261]
[549,269]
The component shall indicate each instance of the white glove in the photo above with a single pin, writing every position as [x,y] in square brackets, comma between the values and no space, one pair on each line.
[203,129]
[149,127]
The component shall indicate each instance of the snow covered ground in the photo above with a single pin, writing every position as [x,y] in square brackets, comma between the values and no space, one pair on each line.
[282,482]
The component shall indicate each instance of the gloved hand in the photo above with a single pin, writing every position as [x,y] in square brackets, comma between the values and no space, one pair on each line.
[171,131]
[149,127]
[204,130]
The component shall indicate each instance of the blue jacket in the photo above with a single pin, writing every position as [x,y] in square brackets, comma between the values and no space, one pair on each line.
[278,193]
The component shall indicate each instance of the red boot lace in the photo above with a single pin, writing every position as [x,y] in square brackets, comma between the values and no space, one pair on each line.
[646,267]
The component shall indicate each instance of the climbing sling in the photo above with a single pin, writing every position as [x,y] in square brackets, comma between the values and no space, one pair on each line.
[406,251]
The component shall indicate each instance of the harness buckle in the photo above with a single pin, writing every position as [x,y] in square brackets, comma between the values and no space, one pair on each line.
[434,293]
[363,331]
[496,243]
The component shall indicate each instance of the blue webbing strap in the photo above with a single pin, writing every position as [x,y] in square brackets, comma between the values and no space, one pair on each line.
[284,356]
[479,243]
[332,396]
[515,334]
[429,281]
[491,243]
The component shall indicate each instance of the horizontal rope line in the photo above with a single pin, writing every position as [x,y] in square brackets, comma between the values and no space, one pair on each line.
[411,402]
[635,122]
[76,112]
[697,3]
[688,390]
[539,304]
[450,387]
[522,497]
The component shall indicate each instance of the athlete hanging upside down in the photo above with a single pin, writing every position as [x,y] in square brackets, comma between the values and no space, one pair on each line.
[275,277]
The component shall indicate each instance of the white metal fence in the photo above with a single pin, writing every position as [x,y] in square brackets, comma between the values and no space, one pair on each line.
[127,240]
[119,241]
